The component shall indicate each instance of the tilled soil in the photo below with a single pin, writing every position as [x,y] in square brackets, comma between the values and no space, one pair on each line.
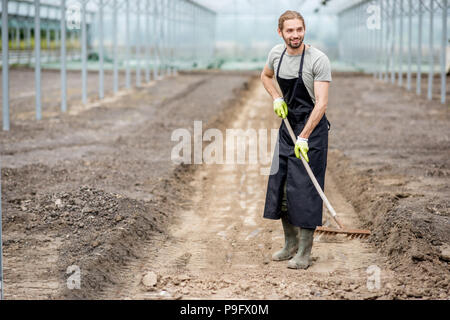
[87,188]
[391,160]
[96,188]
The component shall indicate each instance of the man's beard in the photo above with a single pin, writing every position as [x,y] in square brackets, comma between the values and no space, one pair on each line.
[294,46]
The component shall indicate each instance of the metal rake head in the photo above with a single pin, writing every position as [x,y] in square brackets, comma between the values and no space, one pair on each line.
[358,235]
[352,234]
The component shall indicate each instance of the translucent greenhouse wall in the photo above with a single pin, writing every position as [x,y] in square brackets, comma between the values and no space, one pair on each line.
[249,38]
[151,38]
[181,30]
[393,38]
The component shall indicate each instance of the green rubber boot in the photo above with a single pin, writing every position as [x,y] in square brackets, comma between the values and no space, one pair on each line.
[302,259]
[290,241]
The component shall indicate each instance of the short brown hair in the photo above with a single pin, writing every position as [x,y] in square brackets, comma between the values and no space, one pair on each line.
[288,15]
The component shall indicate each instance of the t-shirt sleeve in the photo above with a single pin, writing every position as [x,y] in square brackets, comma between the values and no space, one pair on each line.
[322,69]
[270,59]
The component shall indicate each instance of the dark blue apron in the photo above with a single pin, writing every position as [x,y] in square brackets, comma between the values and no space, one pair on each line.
[304,205]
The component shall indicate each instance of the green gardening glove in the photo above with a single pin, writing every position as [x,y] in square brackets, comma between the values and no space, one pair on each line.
[301,146]
[280,107]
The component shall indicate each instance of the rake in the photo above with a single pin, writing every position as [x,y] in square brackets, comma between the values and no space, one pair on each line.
[350,233]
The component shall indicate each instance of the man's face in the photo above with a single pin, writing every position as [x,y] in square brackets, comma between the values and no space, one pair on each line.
[293,33]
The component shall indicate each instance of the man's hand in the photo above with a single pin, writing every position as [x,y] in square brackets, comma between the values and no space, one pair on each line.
[267,78]
[280,107]
[301,146]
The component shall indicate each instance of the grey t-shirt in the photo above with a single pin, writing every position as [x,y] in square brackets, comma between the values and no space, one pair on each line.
[316,66]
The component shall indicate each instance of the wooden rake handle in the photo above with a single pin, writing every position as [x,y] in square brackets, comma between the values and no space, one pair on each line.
[331,210]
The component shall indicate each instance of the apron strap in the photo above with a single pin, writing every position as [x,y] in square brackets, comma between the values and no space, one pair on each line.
[300,71]
[281,59]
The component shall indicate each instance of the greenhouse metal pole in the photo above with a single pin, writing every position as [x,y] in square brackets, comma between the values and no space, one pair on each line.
[18,37]
[138,44]
[400,48]
[350,42]
[168,43]
[409,43]
[380,43]
[419,52]
[116,71]
[1,217]
[381,51]
[158,32]
[386,75]
[127,45]
[147,41]
[202,35]
[172,34]
[357,39]
[192,30]
[165,15]
[200,38]
[373,43]
[58,36]
[83,52]
[161,37]
[393,54]
[365,37]
[175,34]
[155,42]
[382,40]
[164,37]
[372,40]
[430,54]
[63,58]
[195,42]
[444,51]
[29,46]
[348,51]
[169,35]
[28,36]
[47,37]
[358,42]
[5,66]
[69,40]
[183,47]
[214,36]
[100,50]
[37,58]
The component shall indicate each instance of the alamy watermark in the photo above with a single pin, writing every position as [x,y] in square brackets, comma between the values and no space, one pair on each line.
[373,278]
[74,279]
[239,146]
[373,22]
[73,15]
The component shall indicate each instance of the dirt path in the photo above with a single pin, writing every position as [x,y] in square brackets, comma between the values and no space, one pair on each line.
[220,247]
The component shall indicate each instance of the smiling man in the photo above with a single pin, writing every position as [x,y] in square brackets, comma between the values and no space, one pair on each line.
[303,74]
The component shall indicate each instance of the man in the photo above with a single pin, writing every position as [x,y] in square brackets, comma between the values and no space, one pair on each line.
[303,74]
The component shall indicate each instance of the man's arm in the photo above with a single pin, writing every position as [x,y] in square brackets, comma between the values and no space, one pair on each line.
[267,80]
[321,93]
